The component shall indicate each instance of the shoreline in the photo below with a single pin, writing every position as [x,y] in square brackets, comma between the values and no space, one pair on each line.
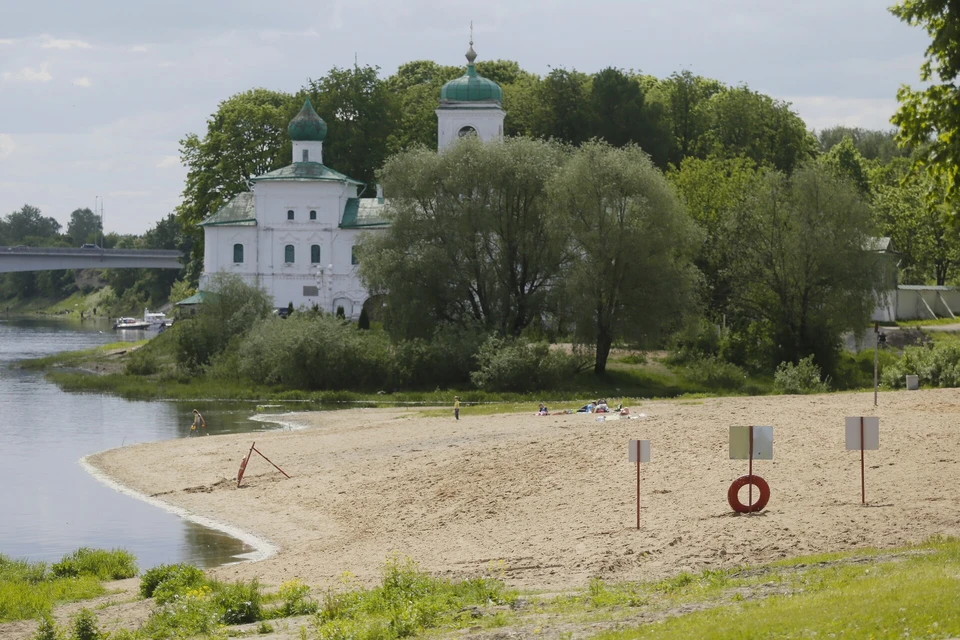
[262,548]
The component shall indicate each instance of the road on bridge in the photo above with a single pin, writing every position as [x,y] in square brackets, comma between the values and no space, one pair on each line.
[23,258]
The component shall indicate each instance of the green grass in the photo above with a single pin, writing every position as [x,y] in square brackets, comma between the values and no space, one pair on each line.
[31,589]
[882,595]
[76,358]
[926,323]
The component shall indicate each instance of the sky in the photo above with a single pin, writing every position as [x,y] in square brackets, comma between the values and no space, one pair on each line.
[95,96]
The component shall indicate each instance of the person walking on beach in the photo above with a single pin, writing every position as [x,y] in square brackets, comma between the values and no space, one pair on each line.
[198,421]
[456,407]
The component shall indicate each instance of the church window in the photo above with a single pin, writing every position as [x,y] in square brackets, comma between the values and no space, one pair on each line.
[314,254]
[467,131]
[311,291]
[238,253]
[353,256]
[288,254]
[306,155]
[290,214]
[313,215]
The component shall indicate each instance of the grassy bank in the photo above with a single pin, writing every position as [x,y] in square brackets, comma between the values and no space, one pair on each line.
[907,592]
[105,370]
[31,589]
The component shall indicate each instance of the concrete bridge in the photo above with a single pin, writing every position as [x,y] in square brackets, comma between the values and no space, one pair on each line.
[52,258]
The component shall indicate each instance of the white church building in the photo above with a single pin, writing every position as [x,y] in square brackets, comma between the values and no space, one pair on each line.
[293,233]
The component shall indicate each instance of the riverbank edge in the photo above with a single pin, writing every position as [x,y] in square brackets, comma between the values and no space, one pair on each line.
[262,547]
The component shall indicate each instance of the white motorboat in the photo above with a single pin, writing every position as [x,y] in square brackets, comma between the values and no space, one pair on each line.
[130,324]
[156,319]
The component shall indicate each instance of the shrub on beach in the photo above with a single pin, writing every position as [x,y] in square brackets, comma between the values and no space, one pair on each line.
[514,365]
[179,576]
[715,373]
[936,365]
[116,564]
[800,378]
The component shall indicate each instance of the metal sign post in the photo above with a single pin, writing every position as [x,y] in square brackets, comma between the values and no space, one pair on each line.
[750,443]
[862,433]
[638,452]
[876,360]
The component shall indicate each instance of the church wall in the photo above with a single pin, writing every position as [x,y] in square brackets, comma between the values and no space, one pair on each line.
[331,282]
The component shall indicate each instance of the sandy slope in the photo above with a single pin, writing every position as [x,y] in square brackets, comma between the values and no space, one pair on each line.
[551,500]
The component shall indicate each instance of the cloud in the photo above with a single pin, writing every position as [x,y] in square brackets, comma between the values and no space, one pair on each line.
[820,112]
[129,194]
[48,42]
[83,81]
[8,41]
[7,145]
[28,74]
[140,48]
[168,161]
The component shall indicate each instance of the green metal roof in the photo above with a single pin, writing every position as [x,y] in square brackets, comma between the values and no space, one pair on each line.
[471,87]
[306,171]
[197,298]
[307,125]
[363,212]
[239,212]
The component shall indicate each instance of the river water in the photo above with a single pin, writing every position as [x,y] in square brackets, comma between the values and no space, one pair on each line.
[49,505]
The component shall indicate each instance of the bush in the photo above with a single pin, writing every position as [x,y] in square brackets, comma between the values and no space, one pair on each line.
[936,364]
[181,576]
[142,363]
[800,378]
[192,615]
[714,373]
[104,565]
[47,629]
[296,601]
[238,602]
[511,365]
[230,310]
[85,626]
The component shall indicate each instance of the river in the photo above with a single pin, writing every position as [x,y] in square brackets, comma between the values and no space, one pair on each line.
[49,505]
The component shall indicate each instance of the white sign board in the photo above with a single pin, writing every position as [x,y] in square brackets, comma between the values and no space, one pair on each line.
[639,451]
[871,432]
[762,443]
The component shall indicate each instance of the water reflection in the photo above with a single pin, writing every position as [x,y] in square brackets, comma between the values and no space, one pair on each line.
[50,505]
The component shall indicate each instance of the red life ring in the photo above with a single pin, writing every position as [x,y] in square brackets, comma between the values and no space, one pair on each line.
[733,494]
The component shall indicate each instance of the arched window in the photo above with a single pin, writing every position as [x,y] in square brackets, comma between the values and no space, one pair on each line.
[288,254]
[313,215]
[353,256]
[238,253]
[314,254]
[290,214]
[466,131]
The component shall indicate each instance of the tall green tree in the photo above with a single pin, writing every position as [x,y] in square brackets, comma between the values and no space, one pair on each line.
[361,115]
[633,243]
[246,137]
[471,242]
[871,144]
[805,270]
[620,114]
[713,191]
[84,226]
[845,161]
[564,106]
[742,122]
[684,96]
[416,86]
[27,225]
[929,116]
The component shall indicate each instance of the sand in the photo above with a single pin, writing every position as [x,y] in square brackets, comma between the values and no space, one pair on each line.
[550,502]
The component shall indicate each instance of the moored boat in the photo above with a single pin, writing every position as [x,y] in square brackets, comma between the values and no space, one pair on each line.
[130,323]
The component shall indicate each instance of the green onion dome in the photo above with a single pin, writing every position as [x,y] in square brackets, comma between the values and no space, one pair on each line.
[307,126]
[471,86]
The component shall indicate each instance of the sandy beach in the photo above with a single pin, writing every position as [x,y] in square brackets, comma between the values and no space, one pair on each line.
[550,501]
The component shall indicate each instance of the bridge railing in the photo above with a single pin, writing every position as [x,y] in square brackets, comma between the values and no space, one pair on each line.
[51,251]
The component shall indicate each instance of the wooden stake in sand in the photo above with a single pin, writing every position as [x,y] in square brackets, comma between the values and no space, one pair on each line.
[862,433]
[638,452]
[246,459]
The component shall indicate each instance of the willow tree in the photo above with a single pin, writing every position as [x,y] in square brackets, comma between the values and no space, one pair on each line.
[472,242]
[633,245]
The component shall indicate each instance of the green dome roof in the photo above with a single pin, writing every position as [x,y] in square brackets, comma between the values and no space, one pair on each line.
[471,86]
[307,126]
